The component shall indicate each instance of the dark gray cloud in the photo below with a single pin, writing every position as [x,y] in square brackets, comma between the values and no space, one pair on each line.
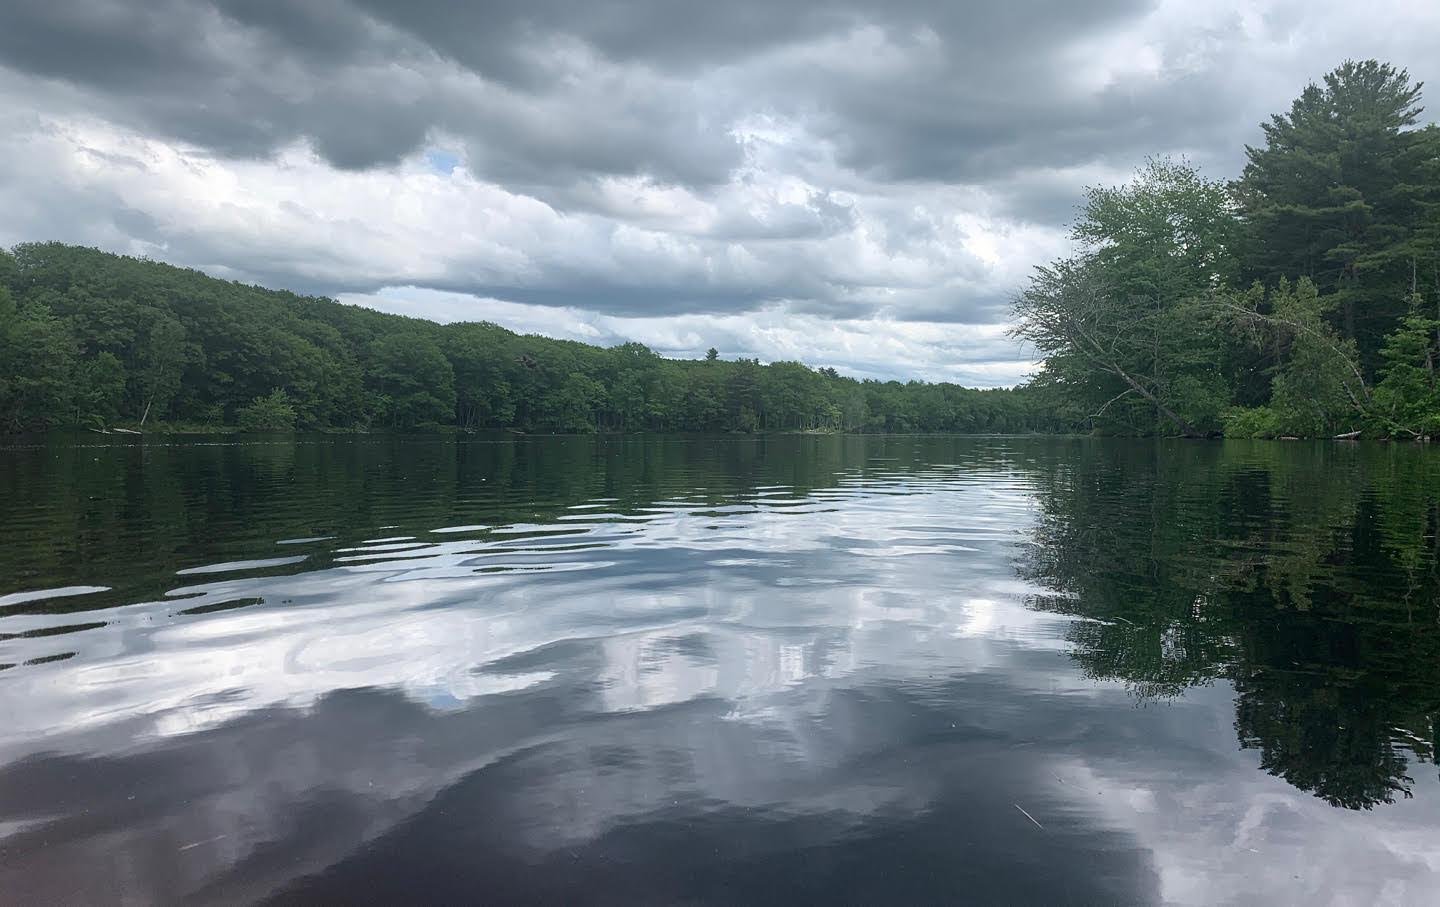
[186,71]
[246,78]
[553,91]
[556,91]
[498,38]
[546,92]
[323,30]
[117,46]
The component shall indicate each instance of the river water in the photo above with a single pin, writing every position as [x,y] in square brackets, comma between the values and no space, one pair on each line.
[719,670]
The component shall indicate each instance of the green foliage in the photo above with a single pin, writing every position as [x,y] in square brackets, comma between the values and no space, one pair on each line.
[37,389]
[88,339]
[1407,400]
[1122,326]
[411,383]
[1335,222]
[269,413]
[1252,422]
[1337,192]
[100,390]
[573,404]
[159,356]
[1168,234]
[1317,389]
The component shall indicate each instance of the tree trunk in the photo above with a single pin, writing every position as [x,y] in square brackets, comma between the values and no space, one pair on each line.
[1175,418]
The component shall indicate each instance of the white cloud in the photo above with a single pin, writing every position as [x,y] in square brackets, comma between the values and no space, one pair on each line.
[1222,831]
[975,355]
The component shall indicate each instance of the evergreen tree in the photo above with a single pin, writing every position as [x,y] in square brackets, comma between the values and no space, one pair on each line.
[1407,400]
[1336,191]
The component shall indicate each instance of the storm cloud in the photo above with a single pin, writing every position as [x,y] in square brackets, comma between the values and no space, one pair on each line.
[902,164]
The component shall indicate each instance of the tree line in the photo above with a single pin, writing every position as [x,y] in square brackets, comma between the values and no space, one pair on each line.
[90,340]
[1301,299]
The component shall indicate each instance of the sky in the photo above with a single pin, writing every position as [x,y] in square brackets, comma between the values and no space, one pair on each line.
[863,186]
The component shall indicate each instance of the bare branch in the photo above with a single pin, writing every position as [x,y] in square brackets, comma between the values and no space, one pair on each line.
[1101,411]
[1311,332]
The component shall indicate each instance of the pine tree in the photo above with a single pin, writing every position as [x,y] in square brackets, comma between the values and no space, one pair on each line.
[1335,193]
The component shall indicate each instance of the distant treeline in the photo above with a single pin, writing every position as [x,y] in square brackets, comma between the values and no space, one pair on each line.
[90,339]
[1301,299]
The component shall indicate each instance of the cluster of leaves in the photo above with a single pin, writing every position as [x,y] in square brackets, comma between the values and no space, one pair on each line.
[1295,300]
[92,339]
[272,413]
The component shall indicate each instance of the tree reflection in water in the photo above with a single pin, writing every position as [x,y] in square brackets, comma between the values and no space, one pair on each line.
[1306,575]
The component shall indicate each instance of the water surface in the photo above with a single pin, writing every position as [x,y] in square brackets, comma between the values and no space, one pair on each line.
[719,670]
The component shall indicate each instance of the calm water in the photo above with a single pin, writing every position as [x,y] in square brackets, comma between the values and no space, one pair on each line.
[661,670]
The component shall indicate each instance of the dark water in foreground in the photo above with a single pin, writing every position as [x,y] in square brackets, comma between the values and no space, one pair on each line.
[659,670]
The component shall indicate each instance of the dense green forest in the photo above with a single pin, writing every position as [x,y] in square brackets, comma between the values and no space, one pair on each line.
[89,339]
[1302,299]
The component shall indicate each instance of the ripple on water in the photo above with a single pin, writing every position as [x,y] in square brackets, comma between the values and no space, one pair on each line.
[37,595]
[237,566]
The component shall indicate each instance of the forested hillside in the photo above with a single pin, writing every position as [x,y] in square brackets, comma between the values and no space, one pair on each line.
[1301,299]
[89,339]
